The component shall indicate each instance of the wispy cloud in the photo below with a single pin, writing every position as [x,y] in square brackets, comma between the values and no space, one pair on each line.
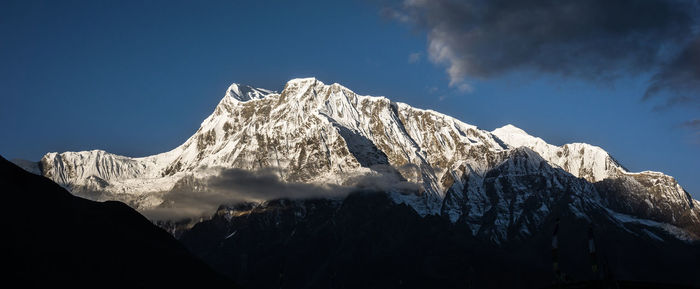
[415,57]
[464,87]
[692,124]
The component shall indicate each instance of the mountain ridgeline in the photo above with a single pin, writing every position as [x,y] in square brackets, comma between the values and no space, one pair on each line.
[457,205]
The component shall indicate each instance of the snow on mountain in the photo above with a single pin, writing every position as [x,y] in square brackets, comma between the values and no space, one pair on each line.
[245,92]
[648,194]
[580,159]
[317,133]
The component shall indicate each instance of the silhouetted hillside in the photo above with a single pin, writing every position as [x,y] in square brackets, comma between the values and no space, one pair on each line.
[59,240]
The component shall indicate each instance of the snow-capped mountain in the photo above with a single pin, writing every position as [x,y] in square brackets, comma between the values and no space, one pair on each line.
[501,183]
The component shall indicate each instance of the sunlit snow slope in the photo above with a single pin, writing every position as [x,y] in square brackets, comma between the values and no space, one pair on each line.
[501,183]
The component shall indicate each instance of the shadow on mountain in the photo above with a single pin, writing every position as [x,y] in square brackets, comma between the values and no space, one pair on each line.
[59,240]
[362,148]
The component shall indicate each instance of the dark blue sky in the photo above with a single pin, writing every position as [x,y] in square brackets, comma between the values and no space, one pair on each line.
[138,78]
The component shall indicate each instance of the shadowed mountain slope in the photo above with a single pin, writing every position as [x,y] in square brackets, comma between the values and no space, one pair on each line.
[56,239]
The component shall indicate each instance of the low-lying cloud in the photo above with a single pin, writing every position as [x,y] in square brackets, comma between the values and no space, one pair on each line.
[194,198]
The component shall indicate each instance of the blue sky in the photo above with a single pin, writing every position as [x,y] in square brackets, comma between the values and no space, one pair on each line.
[138,78]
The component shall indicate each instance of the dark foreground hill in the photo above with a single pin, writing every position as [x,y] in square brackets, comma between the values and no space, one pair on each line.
[369,241]
[59,240]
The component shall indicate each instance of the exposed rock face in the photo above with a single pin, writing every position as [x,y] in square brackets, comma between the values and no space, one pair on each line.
[501,184]
[652,196]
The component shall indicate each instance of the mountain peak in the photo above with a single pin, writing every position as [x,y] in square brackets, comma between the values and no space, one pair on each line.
[245,93]
[302,81]
[509,129]
[515,137]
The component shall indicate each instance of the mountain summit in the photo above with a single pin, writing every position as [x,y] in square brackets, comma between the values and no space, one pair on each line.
[245,92]
[502,184]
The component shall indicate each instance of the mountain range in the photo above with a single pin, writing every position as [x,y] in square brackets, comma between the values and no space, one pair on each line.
[277,164]
[326,134]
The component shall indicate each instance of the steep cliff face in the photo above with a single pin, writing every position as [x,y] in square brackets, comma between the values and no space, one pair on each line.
[501,183]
